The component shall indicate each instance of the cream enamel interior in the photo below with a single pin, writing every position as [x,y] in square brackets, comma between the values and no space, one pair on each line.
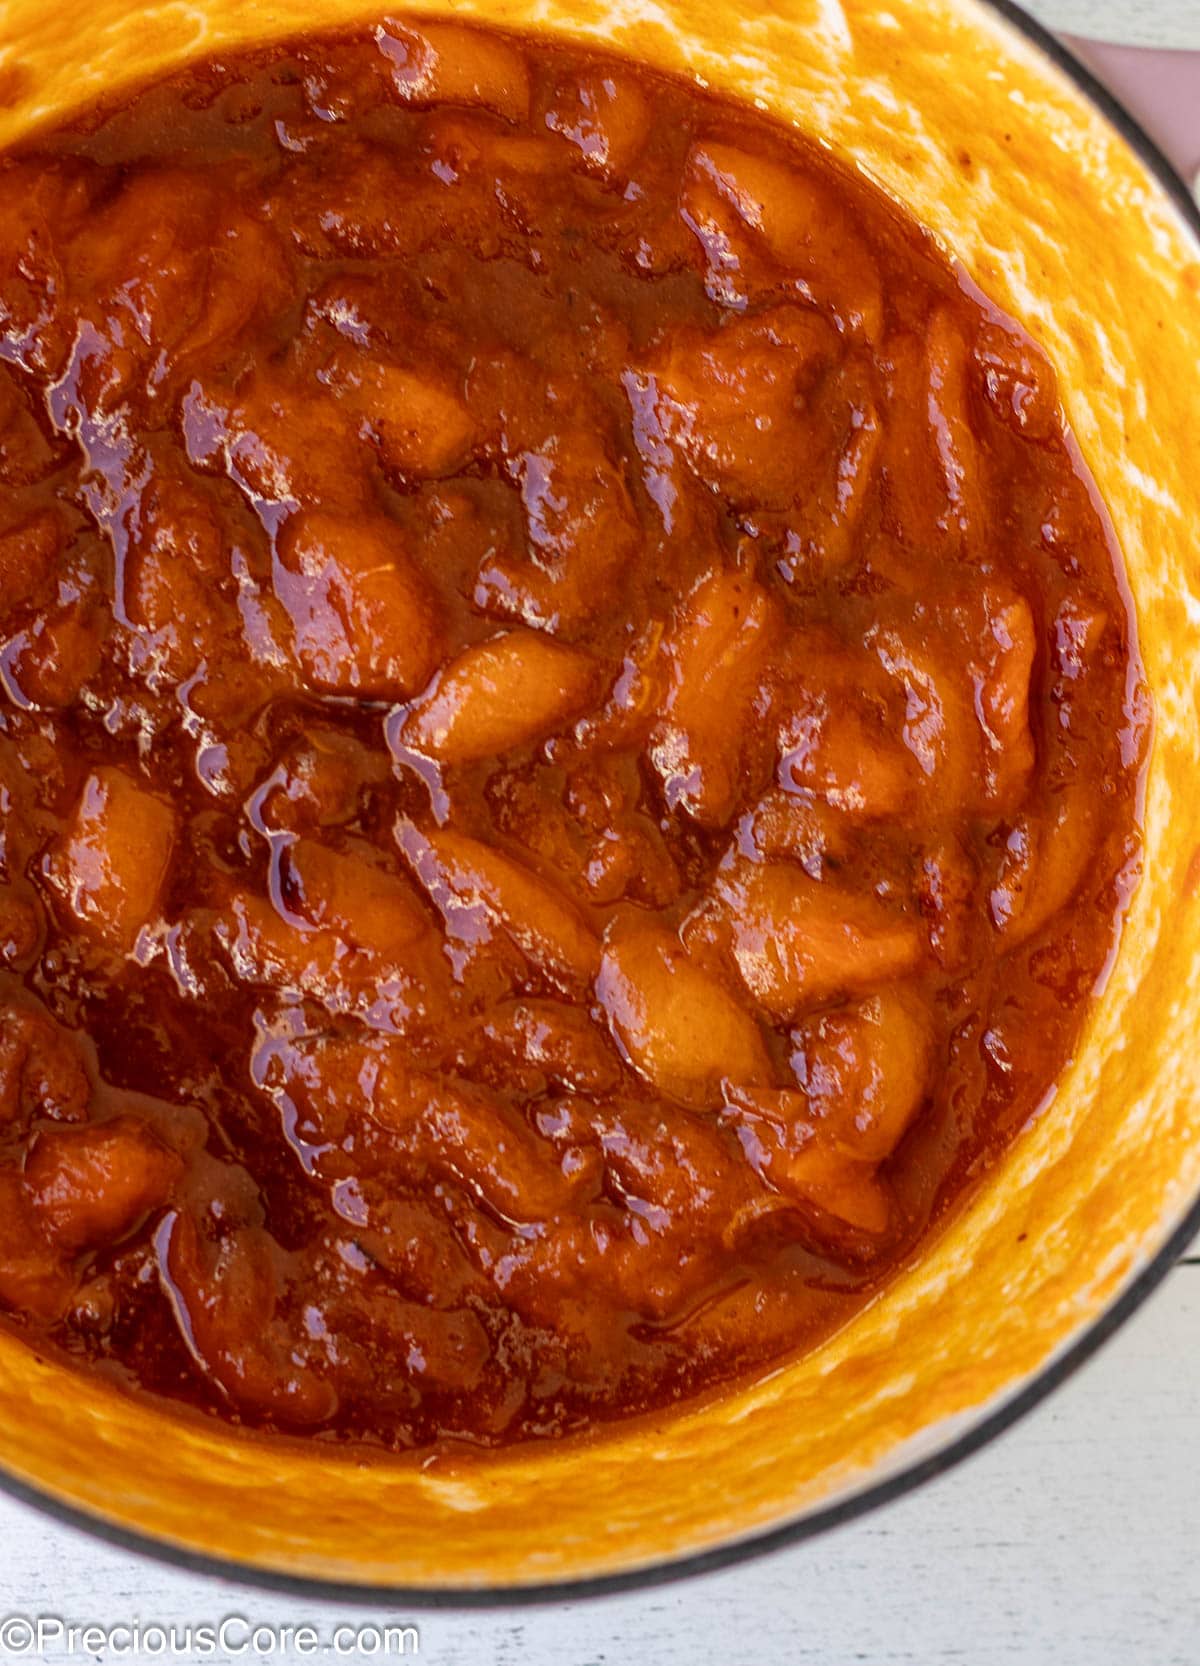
[957,115]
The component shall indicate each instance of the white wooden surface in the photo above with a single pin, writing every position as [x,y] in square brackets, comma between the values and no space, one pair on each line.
[1074,1540]
[1132,22]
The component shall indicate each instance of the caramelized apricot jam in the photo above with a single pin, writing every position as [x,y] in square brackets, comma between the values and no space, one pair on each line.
[570,731]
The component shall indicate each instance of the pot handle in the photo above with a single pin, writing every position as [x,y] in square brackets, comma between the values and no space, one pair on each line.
[1162,89]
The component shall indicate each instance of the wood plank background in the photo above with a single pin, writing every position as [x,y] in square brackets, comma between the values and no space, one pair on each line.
[1134,22]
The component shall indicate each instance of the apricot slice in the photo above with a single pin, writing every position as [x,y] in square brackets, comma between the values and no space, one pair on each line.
[418,422]
[795,941]
[436,63]
[965,667]
[384,206]
[458,1130]
[319,782]
[681,1164]
[27,555]
[702,747]
[556,1040]
[55,658]
[42,1072]
[91,1185]
[20,925]
[800,222]
[840,731]
[365,618]
[788,1150]
[937,475]
[34,1275]
[1042,863]
[226,1288]
[581,535]
[845,443]
[111,863]
[799,825]
[173,570]
[475,886]
[1003,673]
[862,1072]
[676,1023]
[606,117]
[355,931]
[730,403]
[1019,382]
[287,445]
[27,455]
[497,695]
[361,901]
[264,948]
[167,253]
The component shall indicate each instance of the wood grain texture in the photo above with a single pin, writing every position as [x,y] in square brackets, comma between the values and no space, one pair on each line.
[1135,22]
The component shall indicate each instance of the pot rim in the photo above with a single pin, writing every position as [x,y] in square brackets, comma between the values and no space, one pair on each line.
[977,1429]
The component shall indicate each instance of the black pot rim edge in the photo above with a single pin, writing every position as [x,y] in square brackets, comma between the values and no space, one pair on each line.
[992,1423]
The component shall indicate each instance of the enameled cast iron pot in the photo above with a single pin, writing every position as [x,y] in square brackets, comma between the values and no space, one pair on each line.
[1063,214]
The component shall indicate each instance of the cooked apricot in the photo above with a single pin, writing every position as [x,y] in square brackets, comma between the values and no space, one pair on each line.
[1018,380]
[319,782]
[27,453]
[864,1070]
[42,1072]
[473,884]
[1040,865]
[840,732]
[286,447]
[554,1040]
[581,535]
[34,1276]
[678,1024]
[435,63]
[365,619]
[795,942]
[1003,677]
[345,932]
[965,667]
[361,901]
[27,555]
[90,1185]
[57,655]
[732,402]
[846,445]
[958,456]
[606,117]
[265,948]
[418,422]
[110,865]
[805,227]
[805,827]
[227,1288]
[453,1127]
[703,743]
[20,925]
[365,203]
[497,695]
